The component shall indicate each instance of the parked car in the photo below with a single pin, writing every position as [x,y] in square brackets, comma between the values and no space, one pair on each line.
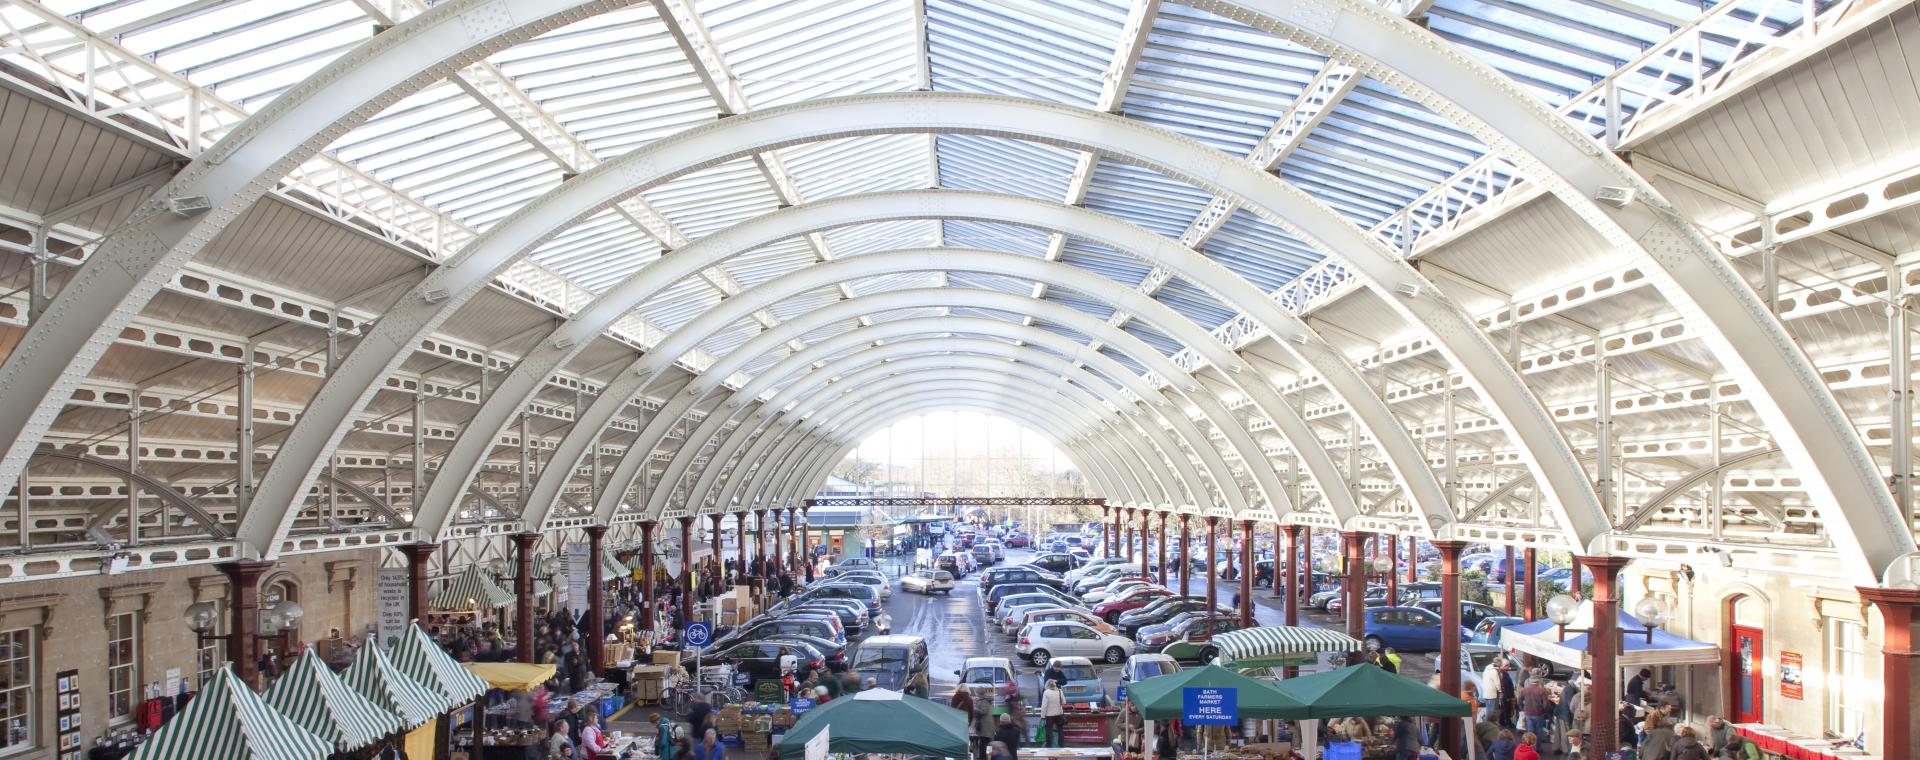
[1193,640]
[1141,667]
[833,590]
[1005,611]
[995,673]
[1158,612]
[1406,628]
[1039,643]
[1115,589]
[867,578]
[834,654]
[1488,629]
[853,621]
[999,575]
[1325,596]
[1092,566]
[791,624]
[852,563]
[1083,684]
[1018,540]
[892,661]
[1474,659]
[760,660]
[1471,613]
[1067,614]
[1556,579]
[1111,609]
[1057,563]
[991,599]
[928,581]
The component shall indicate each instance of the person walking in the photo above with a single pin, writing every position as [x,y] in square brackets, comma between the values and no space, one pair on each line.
[1659,739]
[1053,712]
[1008,733]
[1686,746]
[663,741]
[1536,708]
[983,724]
[710,747]
[1525,750]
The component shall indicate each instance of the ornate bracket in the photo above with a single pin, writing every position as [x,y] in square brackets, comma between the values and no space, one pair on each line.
[34,610]
[133,597]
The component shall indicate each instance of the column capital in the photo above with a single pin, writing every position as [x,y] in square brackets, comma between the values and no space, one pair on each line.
[1449,545]
[418,551]
[596,531]
[1604,562]
[525,540]
[1900,597]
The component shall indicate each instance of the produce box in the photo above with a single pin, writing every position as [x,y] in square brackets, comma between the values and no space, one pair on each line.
[668,657]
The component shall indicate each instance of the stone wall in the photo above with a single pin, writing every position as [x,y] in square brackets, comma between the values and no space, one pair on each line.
[337,590]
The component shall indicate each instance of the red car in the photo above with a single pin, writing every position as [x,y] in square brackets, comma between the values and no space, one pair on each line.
[1018,541]
[1110,609]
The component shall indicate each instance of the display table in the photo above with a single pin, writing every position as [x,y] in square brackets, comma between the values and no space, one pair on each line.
[1088,727]
[534,751]
[1065,753]
[1779,741]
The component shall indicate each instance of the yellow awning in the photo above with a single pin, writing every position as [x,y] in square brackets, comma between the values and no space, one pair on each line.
[512,676]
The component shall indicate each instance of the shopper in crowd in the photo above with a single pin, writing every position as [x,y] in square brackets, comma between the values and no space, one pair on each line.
[1053,712]
[1008,733]
[593,743]
[1687,746]
[662,741]
[710,747]
[1658,740]
[559,740]
[1406,739]
[1536,707]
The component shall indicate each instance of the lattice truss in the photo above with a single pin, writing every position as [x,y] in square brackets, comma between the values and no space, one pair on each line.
[288,276]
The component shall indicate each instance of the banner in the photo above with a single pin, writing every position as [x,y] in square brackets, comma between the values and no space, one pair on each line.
[580,567]
[1210,705]
[393,603]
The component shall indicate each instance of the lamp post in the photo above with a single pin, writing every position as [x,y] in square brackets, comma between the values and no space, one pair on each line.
[1650,613]
[272,619]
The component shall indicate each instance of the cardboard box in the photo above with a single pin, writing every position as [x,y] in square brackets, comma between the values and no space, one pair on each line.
[667,657]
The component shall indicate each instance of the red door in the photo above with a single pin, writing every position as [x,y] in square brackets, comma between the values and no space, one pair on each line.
[1748,683]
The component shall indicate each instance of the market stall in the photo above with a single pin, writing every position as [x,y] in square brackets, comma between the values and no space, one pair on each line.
[312,696]
[881,721]
[227,721]
[419,658]
[1281,646]
[1368,692]
[1544,639]
[1171,697]
[462,600]
[504,726]
[374,677]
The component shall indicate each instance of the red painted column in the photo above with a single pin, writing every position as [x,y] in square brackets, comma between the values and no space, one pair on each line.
[1603,645]
[1186,554]
[419,559]
[1900,616]
[523,544]
[1163,548]
[1578,591]
[1246,573]
[1354,561]
[686,569]
[1280,562]
[1413,559]
[1145,555]
[806,544]
[1213,535]
[1450,732]
[719,560]
[647,589]
[1296,572]
[760,539]
[1106,529]
[1533,576]
[1305,589]
[1393,578]
[1512,608]
[243,590]
[596,602]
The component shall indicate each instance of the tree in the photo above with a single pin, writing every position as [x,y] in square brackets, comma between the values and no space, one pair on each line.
[857,470]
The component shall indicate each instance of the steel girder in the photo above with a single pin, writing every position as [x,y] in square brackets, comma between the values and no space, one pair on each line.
[924,387]
[1069,318]
[121,276]
[520,385]
[1076,353]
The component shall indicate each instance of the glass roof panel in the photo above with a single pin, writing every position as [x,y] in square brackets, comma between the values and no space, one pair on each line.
[787,51]
[992,164]
[1055,51]
[1216,80]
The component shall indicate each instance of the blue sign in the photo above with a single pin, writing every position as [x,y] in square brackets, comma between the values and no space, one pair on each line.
[1121,694]
[1210,705]
[698,634]
[801,705]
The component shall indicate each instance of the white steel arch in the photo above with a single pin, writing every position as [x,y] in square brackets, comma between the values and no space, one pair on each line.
[1807,421]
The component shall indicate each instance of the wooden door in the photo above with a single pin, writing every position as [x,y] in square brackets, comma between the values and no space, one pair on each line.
[1749,684]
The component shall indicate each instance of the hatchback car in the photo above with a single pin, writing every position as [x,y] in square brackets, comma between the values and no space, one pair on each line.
[867,578]
[1487,631]
[760,660]
[1141,667]
[853,563]
[892,661]
[928,581]
[1083,684]
[991,599]
[999,575]
[1407,628]
[993,673]
[1471,613]
[1039,643]
[1010,616]
[1158,612]
[1111,609]
[1069,615]
[1193,640]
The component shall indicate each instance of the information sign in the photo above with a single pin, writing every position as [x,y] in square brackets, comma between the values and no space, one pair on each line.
[1210,705]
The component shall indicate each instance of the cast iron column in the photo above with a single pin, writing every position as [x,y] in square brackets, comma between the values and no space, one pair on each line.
[1186,554]
[760,539]
[1512,607]
[1306,565]
[646,571]
[1279,575]
[243,588]
[719,560]
[1106,516]
[523,544]
[1527,597]
[1450,644]
[1393,576]
[1246,573]
[686,569]
[419,557]
[1413,559]
[1354,561]
[1213,535]
[1579,590]
[740,545]
[1295,572]
[596,602]
[1900,614]
[806,543]
[1603,645]
[1162,577]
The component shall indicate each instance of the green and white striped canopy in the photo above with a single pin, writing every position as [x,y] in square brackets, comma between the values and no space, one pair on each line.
[472,586]
[1270,642]
[226,721]
[422,660]
[320,702]
[609,569]
[373,676]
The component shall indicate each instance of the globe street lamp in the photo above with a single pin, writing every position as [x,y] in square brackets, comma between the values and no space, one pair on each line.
[1650,612]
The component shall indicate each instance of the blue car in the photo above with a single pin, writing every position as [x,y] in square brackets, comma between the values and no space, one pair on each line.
[1488,629]
[1083,685]
[1408,629]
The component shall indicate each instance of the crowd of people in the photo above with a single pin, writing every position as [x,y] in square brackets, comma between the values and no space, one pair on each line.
[1522,714]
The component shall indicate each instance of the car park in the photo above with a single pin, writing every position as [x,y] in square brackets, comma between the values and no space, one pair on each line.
[1111,609]
[1041,642]
[1407,628]
[991,599]
[1083,685]
[892,661]
[928,581]
[1067,614]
